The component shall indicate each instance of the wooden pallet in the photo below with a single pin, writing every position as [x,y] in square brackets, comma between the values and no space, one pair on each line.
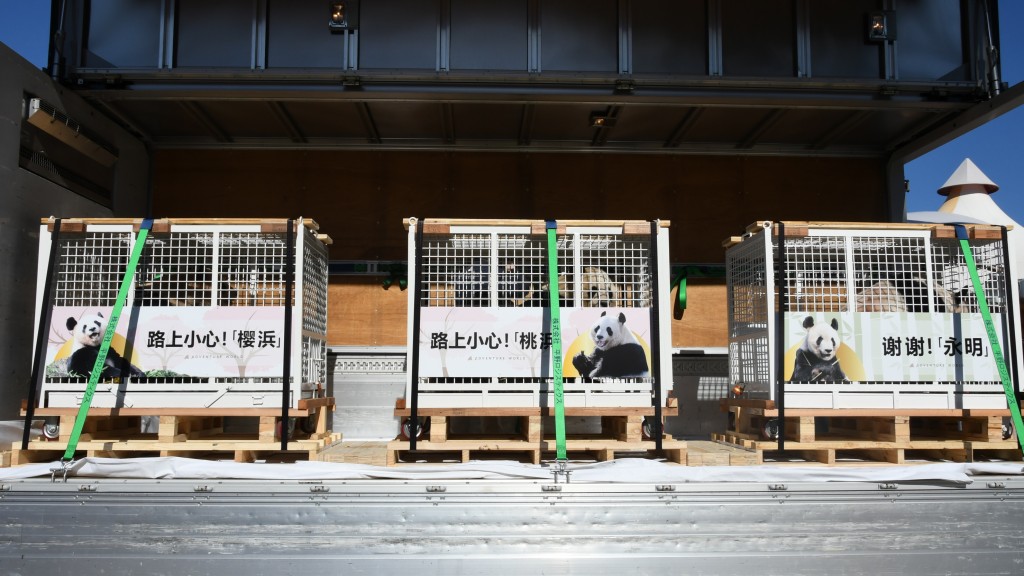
[624,424]
[598,449]
[711,453]
[893,436]
[251,434]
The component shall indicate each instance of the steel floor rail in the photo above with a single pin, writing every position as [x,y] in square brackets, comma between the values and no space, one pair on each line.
[383,527]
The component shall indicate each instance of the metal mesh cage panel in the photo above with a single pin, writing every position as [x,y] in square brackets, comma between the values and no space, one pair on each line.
[747,281]
[251,270]
[314,286]
[816,274]
[176,270]
[91,268]
[954,290]
[613,271]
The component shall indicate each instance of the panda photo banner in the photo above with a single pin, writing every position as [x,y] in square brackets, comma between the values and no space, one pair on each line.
[888,347]
[190,341]
[514,342]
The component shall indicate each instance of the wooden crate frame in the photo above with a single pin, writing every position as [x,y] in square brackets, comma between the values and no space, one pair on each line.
[508,259]
[849,270]
[205,266]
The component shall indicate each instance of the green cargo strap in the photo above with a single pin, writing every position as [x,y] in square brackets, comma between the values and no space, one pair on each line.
[108,336]
[997,351]
[556,342]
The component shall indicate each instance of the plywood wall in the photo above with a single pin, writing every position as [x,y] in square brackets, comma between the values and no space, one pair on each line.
[361,312]
[360,198]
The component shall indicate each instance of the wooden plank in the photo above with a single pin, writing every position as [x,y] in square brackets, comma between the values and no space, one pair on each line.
[81,224]
[704,323]
[401,410]
[492,222]
[113,412]
[732,241]
[767,408]
[360,312]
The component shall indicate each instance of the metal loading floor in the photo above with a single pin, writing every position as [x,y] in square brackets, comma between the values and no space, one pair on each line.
[621,517]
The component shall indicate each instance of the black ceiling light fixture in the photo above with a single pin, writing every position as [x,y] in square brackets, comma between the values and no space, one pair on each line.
[602,119]
[339,17]
[881,26]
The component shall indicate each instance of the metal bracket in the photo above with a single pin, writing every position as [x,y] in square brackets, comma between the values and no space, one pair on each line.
[65,467]
[560,471]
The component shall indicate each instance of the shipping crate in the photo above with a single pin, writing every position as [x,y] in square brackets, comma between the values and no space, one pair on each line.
[480,313]
[206,317]
[874,316]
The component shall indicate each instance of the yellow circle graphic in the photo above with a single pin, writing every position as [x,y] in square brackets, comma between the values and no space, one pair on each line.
[117,344]
[584,343]
[848,361]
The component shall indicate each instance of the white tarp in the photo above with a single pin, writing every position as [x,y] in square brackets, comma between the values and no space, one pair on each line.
[629,470]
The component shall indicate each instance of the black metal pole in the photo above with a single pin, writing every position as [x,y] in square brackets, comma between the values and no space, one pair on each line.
[780,336]
[45,317]
[656,337]
[289,281]
[1011,313]
[414,344]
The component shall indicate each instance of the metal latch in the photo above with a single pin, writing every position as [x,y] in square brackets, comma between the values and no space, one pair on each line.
[320,488]
[665,487]
[888,486]
[777,487]
[551,487]
[437,488]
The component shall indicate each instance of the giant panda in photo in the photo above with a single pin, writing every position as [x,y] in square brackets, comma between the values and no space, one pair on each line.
[617,353]
[88,335]
[816,359]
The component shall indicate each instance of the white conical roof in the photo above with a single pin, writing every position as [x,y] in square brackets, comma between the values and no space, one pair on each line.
[969,194]
[968,174]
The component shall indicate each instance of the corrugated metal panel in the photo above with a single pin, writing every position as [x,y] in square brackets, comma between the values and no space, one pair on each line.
[479,527]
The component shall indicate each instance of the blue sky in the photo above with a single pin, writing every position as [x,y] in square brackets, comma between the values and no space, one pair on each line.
[995,147]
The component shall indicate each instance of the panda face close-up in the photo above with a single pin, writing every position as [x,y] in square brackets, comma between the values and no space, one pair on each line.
[822,338]
[89,330]
[603,334]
